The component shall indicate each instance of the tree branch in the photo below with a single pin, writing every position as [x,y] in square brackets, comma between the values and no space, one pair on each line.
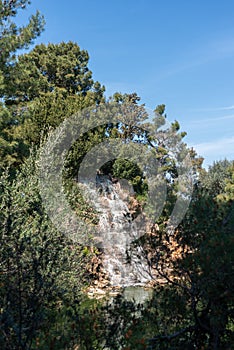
[169,337]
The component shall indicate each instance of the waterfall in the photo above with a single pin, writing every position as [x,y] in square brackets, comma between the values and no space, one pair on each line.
[117,230]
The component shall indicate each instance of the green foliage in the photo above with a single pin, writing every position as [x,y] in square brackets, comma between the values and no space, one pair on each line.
[48,67]
[12,148]
[202,273]
[228,192]
[13,38]
[42,272]
[47,112]
[160,109]
[39,266]
[78,203]
[216,177]
[46,86]
[125,169]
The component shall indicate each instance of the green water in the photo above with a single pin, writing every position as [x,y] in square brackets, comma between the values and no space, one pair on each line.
[137,294]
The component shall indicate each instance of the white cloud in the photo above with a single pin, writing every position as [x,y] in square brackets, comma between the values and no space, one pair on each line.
[222,147]
[214,50]
[211,120]
[215,109]
[226,108]
[215,150]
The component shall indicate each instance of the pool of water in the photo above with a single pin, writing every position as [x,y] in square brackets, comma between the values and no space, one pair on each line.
[137,294]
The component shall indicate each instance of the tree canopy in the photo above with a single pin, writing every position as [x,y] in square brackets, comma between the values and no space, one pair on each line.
[43,273]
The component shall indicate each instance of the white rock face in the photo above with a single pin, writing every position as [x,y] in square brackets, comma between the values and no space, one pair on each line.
[117,229]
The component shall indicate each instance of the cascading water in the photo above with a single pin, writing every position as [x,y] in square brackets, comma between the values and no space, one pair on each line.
[116,231]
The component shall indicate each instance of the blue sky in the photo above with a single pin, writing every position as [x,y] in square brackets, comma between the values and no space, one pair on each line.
[180,53]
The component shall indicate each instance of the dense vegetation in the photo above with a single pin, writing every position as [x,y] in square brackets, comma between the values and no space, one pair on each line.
[43,274]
